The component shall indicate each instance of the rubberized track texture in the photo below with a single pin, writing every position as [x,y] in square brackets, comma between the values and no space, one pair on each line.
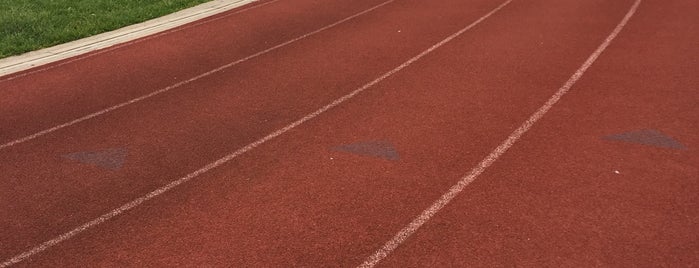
[396,133]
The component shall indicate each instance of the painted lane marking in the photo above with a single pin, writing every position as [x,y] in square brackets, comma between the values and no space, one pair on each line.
[90,54]
[380,149]
[112,159]
[168,88]
[648,137]
[138,201]
[428,213]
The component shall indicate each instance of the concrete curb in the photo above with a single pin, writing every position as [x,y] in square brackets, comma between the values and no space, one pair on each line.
[44,56]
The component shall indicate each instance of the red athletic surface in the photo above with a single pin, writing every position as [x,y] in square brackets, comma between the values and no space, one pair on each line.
[553,200]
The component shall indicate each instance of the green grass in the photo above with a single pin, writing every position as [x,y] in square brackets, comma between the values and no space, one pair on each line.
[27,25]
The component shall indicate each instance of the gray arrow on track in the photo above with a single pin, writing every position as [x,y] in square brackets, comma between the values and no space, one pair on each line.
[648,137]
[112,159]
[379,149]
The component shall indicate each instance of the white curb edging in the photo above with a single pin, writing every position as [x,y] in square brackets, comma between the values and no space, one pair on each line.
[40,57]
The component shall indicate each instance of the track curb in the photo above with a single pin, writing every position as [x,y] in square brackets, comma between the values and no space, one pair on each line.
[14,64]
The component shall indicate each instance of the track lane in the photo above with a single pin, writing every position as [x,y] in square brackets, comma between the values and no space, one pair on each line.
[304,211]
[42,101]
[170,136]
[565,196]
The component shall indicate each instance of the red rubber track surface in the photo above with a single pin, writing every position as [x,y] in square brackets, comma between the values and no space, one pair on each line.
[562,196]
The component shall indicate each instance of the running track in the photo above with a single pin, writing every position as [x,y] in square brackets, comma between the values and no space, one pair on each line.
[235,131]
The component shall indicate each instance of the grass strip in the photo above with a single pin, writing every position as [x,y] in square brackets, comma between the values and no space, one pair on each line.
[27,25]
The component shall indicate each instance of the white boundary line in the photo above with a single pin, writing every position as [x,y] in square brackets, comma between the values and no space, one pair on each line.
[138,201]
[428,213]
[168,88]
[117,38]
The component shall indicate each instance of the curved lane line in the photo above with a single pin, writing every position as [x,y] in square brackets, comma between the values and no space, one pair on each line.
[138,201]
[428,213]
[181,83]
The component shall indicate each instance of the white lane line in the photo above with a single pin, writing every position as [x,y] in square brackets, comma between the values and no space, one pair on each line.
[136,202]
[102,51]
[428,213]
[168,88]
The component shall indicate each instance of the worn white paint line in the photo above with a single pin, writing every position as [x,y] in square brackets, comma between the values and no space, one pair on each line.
[428,213]
[136,202]
[117,38]
[168,88]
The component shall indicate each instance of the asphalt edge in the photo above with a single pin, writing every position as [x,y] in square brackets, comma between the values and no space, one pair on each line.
[22,62]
